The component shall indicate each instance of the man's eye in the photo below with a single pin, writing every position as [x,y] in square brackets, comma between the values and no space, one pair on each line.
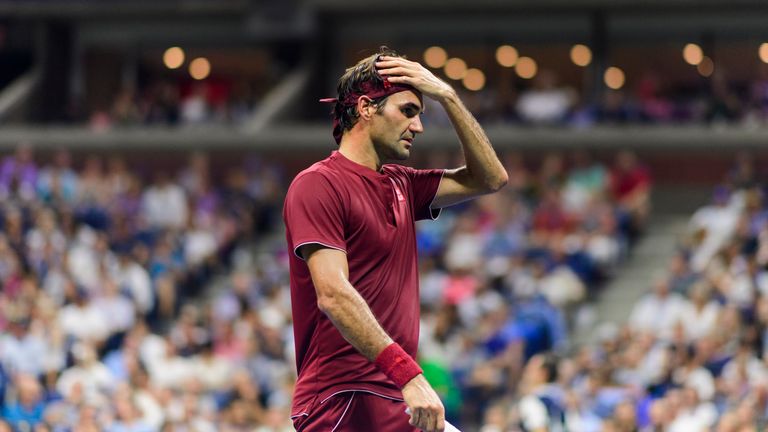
[410,112]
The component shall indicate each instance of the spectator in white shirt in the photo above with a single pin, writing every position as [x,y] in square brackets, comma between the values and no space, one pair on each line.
[214,372]
[87,372]
[119,312]
[86,256]
[546,102]
[543,406]
[700,314]
[693,415]
[134,278]
[717,222]
[21,350]
[164,204]
[658,311]
[743,370]
[83,320]
[199,241]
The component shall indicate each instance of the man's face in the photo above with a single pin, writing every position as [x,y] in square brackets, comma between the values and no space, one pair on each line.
[396,125]
[534,373]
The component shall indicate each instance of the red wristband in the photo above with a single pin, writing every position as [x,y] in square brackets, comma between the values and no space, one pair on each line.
[397,365]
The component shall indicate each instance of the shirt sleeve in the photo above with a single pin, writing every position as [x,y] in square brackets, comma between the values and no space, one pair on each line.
[424,185]
[314,213]
[533,413]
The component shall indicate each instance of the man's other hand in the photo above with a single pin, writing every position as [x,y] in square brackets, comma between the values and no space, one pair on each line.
[427,411]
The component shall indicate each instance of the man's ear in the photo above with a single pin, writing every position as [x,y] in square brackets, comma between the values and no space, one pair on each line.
[365,107]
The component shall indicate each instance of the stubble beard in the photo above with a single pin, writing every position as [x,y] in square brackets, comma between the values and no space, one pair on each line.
[394,151]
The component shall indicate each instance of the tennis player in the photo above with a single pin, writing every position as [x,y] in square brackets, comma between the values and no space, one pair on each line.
[350,223]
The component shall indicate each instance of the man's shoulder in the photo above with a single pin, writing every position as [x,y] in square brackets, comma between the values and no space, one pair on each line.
[319,169]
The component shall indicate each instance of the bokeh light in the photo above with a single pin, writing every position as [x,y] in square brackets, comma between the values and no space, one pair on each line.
[614,78]
[474,79]
[763,52]
[173,57]
[526,67]
[506,55]
[455,68]
[435,57]
[692,54]
[581,55]
[200,68]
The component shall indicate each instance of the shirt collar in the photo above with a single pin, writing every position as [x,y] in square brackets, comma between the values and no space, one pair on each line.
[346,163]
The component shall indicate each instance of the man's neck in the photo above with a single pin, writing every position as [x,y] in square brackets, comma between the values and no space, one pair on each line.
[359,149]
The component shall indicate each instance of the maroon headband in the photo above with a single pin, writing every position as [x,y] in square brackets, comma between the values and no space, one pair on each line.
[368,88]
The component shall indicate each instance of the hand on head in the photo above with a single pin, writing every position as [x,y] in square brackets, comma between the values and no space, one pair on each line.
[401,71]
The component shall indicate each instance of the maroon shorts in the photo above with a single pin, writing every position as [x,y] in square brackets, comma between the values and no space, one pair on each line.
[355,411]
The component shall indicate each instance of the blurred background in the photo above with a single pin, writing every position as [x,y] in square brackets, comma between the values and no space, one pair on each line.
[618,283]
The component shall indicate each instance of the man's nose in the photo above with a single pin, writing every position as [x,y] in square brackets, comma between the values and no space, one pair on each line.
[416,126]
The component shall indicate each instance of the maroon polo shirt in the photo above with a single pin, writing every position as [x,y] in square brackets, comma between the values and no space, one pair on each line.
[370,216]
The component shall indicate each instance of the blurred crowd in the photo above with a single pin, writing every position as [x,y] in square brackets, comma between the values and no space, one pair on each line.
[133,306]
[503,278]
[103,324]
[542,101]
[692,354]
[651,100]
[165,102]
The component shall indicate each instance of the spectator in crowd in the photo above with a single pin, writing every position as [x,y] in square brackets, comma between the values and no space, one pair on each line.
[545,102]
[21,350]
[58,183]
[26,411]
[630,187]
[164,204]
[714,225]
[658,312]
[543,406]
[18,174]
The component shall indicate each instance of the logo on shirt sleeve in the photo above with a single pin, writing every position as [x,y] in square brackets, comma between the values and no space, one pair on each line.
[399,194]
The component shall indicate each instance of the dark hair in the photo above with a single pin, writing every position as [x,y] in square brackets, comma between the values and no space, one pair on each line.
[550,365]
[351,82]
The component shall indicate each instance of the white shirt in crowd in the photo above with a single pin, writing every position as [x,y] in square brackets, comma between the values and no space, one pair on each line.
[699,379]
[561,286]
[84,322]
[83,263]
[25,354]
[199,244]
[700,418]
[94,378]
[165,206]
[657,314]
[544,105]
[213,372]
[699,323]
[131,276]
[756,372]
[720,223]
[533,413]
[119,313]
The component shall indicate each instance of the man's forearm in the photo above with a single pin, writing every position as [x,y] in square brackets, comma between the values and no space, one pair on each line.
[483,164]
[353,318]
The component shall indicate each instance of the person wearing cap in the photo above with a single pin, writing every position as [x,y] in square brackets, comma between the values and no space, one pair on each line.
[350,224]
